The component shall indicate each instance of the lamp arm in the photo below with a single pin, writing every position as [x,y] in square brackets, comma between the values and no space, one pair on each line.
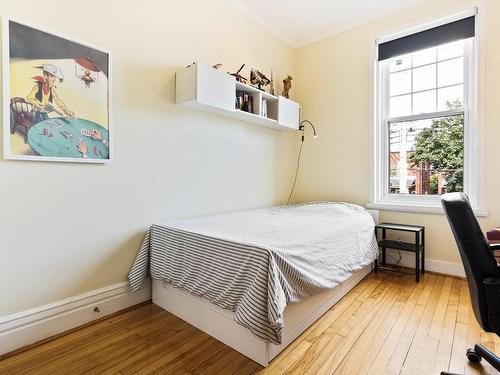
[302,127]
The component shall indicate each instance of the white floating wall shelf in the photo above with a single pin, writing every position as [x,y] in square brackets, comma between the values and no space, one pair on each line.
[206,89]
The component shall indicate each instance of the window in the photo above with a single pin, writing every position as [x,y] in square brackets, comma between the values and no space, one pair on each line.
[425,117]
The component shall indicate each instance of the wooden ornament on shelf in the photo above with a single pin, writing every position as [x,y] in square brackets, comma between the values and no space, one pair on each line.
[258,79]
[238,76]
[287,85]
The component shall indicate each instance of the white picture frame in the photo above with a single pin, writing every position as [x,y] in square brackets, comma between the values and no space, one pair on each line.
[53,145]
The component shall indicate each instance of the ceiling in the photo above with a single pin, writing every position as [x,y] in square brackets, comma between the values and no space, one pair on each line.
[301,22]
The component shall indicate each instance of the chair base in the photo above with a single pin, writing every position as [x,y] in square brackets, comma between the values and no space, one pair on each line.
[477,354]
[480,351]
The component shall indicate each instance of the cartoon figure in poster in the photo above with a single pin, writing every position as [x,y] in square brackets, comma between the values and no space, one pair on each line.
[87,78]
[58,102]
[44,94]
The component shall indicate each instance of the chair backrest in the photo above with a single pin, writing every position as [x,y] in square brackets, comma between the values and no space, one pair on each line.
[18,104]
[22,111]
[475,251]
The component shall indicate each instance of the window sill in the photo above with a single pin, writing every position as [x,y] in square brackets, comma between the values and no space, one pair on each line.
[417,208]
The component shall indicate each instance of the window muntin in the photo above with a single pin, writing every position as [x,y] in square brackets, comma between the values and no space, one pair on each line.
[423,81]
[426,157]
[425,102]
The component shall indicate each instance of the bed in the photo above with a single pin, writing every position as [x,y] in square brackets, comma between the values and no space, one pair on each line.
[257,279]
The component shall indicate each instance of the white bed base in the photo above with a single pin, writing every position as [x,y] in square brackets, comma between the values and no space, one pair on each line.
[219,323]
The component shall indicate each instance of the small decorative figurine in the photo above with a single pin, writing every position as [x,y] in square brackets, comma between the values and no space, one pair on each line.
[87,78]
[86,70]
[257,79]
[271,84]
[238,76]
[287,85]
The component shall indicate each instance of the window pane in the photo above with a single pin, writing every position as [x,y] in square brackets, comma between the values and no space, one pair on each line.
[424,78]
[450,50]
[427,156]
[400,106]
[400,63]
[400,83]
[424,102]
[451,72]
[425,56]
[450,98]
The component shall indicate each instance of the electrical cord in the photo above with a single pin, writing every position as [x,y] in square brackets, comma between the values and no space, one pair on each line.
[397,260]
[395,269]
[296,171]
[302,129]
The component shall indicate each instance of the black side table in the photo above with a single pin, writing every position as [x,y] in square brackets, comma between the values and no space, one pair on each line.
[418,247]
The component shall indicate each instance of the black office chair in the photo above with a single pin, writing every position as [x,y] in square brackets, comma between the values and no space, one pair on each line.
[481,269]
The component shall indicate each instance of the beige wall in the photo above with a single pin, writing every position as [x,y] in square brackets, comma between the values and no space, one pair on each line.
[333,86]
[69,228]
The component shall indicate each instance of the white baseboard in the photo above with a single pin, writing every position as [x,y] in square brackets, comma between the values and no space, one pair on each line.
[433,265]
[29,326]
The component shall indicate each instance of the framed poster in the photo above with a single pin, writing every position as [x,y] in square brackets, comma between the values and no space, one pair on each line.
[56,97]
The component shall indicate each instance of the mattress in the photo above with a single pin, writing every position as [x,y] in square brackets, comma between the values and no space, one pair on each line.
[254,263]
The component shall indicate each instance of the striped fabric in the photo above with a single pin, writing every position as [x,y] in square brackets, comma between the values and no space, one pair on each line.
[254,263]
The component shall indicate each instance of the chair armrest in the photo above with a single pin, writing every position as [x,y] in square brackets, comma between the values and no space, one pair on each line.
[492,286]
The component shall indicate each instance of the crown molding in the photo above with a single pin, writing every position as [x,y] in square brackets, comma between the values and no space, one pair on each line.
[358,23]
[299,43]
[262,23]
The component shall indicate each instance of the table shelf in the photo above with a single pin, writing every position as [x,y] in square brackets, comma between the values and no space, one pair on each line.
[405,246]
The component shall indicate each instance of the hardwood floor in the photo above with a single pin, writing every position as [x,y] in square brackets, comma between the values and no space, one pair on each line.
[385,325]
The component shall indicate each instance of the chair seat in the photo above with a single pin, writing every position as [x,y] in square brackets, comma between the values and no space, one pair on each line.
[24,119]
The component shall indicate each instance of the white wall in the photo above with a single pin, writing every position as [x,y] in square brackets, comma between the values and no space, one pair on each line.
[69,228]
[333,86]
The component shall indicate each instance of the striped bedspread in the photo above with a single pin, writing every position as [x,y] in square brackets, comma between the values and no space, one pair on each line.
[255,262]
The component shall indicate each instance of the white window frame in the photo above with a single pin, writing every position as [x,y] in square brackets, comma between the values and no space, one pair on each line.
[381,198]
